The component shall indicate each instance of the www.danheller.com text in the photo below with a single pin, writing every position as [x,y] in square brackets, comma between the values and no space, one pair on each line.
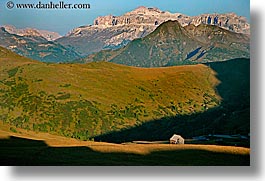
[49,5]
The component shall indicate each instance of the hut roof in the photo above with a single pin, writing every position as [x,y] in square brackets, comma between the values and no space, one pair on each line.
[175,137]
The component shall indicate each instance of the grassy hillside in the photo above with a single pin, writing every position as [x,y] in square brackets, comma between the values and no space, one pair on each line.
[30,148]
[232,116]
[85,100]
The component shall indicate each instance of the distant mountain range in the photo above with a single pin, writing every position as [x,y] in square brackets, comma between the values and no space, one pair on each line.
[110,32]
[172,44]
[32,44]
[114,32]
[48,35]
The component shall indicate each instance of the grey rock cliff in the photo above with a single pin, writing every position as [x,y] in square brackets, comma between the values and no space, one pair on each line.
[116,31]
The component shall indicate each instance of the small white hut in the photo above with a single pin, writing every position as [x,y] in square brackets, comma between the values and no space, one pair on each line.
[176,139]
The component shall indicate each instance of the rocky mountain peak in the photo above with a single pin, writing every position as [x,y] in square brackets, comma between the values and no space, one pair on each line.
[140,16]
[154,17]
[228,21]
[145,10]
[172,44]
[111,32]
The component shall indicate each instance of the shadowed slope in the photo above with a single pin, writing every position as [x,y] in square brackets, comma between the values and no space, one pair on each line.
[21,151]
[231,117]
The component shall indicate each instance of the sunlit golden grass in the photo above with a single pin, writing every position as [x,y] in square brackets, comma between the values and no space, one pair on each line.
[108,83]
[117,84]
[28,148]
[141,149]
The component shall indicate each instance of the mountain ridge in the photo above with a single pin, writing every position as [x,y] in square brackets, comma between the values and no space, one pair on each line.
[36,47]
[111,32]
[48,35]
[172,44]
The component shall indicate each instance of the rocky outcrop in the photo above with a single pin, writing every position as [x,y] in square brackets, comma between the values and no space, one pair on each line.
[111,32]
[154,17]
[140,16]
[229,21]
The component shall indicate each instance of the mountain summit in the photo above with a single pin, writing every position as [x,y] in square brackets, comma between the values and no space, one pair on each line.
[172,44]
[112,32]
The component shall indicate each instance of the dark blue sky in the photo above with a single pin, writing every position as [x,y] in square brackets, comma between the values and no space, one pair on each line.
[63,21]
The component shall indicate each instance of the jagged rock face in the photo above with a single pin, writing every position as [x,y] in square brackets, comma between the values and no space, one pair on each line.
[48,35]
[140,16]
[116,31]
[154,17]
[229,21]
[91,39]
